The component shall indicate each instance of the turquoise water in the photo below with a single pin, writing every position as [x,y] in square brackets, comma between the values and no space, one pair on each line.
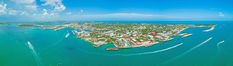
[51,48]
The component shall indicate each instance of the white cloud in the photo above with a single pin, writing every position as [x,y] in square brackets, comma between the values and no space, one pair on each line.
[27,4]
[12,12]
[45,12]
[23,1]
[6,11]
[31,7]
[68,13]
[3,8]
[23,13]
[115,16]
[221,14]
[123,15]
[57,5]
[28,9]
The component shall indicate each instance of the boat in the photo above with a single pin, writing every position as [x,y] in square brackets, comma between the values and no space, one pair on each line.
[67,35]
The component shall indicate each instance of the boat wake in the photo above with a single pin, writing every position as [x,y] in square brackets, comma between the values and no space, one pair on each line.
[157,51]
[193,48]
[219,43]
[74,32]
[219,48]
[34,53]
[208,30]
[207,40]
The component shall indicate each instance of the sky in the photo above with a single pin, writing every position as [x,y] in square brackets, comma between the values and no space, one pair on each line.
[116,10]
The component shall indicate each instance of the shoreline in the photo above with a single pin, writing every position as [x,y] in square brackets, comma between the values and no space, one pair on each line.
[128,35]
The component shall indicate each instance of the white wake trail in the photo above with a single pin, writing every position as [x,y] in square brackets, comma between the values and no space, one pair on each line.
[218,46]
[193,48]
[211,29]
[34,53]
[219,43]
[74,32]
[207,40]
[157,51]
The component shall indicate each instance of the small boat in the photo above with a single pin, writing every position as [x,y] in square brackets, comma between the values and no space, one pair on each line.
[29,44]
[67,35]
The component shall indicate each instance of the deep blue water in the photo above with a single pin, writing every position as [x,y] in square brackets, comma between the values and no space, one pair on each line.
[53,49]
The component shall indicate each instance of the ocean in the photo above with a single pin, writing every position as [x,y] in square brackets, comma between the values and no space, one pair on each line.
[24,46]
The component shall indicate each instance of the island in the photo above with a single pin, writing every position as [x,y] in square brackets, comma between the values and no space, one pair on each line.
[3,23]
[26,25]
[124,35]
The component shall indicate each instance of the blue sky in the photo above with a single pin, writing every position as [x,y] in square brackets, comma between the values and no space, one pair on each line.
[100,10]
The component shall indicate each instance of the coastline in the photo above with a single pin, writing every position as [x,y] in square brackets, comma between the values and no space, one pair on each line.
[101,34]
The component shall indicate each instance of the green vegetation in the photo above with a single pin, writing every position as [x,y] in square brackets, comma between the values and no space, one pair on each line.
[26,25]
[126,35]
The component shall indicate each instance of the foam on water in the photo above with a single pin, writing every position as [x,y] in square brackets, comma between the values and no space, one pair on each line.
[157,51]
[34,53]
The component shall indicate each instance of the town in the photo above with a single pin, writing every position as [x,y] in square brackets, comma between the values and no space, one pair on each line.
[124,35]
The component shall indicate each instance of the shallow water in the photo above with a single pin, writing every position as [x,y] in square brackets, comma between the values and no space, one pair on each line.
[54,49]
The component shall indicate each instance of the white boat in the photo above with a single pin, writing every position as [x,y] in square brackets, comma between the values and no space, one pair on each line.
[30,45]
[67,35]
